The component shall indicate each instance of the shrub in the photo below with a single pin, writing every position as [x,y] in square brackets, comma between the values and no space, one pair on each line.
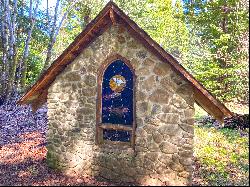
[238,121]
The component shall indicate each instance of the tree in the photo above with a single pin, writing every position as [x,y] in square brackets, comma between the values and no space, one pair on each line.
[28,35]
[220,25]
[162,20]
[76,20]
[11,37]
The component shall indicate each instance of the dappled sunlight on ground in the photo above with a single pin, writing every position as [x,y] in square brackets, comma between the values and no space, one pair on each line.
[221,157]
[23,150]
[30,147]
[23,163]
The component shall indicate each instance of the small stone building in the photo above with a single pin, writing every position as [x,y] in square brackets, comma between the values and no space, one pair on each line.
[120,107]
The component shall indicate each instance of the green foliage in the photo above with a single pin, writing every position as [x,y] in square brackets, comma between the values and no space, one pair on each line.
[38,42]
[77,19]
[221,28]
[222,156]
[163,21]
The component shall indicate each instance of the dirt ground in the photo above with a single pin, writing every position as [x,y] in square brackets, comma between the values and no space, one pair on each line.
[23,150]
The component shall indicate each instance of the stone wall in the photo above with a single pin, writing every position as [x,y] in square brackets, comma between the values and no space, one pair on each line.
[164,116]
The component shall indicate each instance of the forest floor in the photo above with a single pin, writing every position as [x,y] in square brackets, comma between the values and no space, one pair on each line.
[221,155]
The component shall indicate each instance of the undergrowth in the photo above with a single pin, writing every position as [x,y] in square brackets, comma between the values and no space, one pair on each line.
[221,156]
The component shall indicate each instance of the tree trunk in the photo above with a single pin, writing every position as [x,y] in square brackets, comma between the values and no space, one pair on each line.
[26,50]
[4,41]
[13,64]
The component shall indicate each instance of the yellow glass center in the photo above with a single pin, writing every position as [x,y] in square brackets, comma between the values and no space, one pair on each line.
[117,83]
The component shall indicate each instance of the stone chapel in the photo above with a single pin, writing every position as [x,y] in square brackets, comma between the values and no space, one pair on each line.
[120,107]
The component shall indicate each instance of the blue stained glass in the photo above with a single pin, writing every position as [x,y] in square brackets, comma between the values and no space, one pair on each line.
[117,99]
[116,135]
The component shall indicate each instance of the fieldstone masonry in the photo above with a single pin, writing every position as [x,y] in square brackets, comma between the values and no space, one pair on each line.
[164,116]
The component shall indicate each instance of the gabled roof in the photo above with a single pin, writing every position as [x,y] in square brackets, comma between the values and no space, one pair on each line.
[111,14]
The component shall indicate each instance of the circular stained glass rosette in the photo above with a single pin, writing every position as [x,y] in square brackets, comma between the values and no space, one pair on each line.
[117,83]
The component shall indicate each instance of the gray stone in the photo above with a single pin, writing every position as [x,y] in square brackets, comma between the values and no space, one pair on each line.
[162,69]
[189,121]
[132,44]
[143,107]
[154,147]
[141,142]
[147,84]
[149,164]
[77,66]
[88,52]
[168,84]
[90,80]
[135,63]
[162,169]
[156,109]
[158,138]
[85,111]
[83,70]
[139,122]
[73,76]
[151,156]
[88,92]
[169,129]
[149,181]
[148,62]
[178,102]
[170,109]
[176,167]
[165,159]
[176,79]
[141,54]
[141,96]
[185,89]
[184,174]
[152,121]
[186,161]
[187,135]
[169,118]
[168,148]
[186,153]
[189,113]
[187,128]
[159,96]
[144,71]
[149,129]
[91,68]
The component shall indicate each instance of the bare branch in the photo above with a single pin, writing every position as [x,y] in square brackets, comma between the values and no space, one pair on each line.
[63,18]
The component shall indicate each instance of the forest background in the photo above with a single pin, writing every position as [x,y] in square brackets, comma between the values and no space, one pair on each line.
[210,38]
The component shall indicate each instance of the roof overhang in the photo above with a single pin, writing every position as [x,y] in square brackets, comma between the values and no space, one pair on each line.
[112,15]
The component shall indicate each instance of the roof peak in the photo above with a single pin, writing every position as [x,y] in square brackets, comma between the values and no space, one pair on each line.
[111,3]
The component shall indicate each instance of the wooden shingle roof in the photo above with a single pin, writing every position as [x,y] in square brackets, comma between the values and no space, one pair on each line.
[111,14]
